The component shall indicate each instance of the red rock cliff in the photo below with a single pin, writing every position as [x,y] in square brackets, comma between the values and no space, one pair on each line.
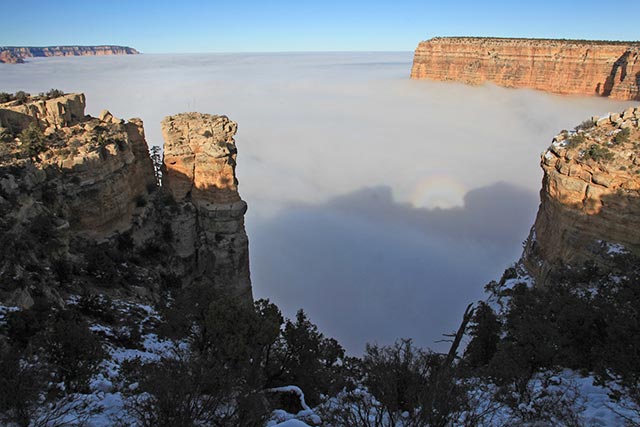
[561,66]
[590,198]
[11,54]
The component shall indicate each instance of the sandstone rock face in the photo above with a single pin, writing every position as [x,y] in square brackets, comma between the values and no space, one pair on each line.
[80,192]
[11,53]
[104,164]
[199,171]
[590,197]
[63,111]
[200,158]
[560,66]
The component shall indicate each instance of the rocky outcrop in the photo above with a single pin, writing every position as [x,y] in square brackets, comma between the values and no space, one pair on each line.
[199,171]
[102,163]
[12,54]
[602,68]
[78,194]
[59,112]
[590,198]
[200,158]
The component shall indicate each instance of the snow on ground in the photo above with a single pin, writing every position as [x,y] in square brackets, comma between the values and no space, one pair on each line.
[292,389]
[554,398]
[290,423]
[598,409]
[616,249]
[613,249]
[4,310]
[105,400]
[566,389]
[280,417]
[510,283]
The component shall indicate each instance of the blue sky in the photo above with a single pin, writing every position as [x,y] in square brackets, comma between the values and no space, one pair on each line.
[289,25]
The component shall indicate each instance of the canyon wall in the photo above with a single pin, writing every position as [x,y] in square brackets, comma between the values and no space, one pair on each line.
[590,198]
[80,193]
[574,67]
[13,54]
[101,164]
[8,57]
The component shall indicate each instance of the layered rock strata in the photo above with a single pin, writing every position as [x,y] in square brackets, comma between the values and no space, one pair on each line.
[8,57]
[575,67]
[101,164]
[59,112]
[590,197]
[12,54]
[199,170]
[78,194]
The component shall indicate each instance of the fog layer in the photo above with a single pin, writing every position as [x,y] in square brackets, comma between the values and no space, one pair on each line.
[380,205]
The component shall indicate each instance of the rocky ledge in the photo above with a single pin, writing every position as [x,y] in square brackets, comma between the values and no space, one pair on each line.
[14,55]
[82,205]
[575,67]
[590,198]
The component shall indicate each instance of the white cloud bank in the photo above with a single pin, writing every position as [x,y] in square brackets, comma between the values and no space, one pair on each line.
[339,155]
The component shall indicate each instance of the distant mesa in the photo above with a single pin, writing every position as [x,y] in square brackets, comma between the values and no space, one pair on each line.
[9,57]
[572,67]
[16,55]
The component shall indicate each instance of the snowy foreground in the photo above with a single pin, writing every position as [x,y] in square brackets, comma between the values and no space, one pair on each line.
[569,391]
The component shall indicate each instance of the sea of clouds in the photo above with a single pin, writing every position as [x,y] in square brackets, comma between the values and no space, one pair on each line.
[378,204]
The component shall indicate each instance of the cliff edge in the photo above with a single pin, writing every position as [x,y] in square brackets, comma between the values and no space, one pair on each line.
[82,207]
[590,198]
[575,67]
[16,55]
[199,172]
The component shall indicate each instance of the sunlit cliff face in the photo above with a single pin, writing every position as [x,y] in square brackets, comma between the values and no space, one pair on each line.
[378,204]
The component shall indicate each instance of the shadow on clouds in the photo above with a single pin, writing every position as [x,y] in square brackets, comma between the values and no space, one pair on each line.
[369,269]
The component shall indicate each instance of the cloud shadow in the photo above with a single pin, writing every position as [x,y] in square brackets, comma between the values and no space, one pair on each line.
[369,269]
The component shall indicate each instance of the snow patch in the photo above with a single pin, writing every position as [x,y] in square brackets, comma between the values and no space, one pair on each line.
[290,423]
[279,416]
[292,389]
[616,249]
[4,310]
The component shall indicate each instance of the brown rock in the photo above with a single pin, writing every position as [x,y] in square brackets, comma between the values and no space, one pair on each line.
[628,113]
[64,111]
[95,181]
[199,170]
[598,204]
[559,66]
[601,179]
[200,158]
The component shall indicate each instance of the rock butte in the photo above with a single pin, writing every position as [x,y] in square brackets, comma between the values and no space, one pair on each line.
[590,197]
[15,55]
[199,169]
[95,181]
[574,67]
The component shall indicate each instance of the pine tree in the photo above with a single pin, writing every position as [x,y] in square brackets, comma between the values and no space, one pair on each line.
[485,335]
[156,159]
